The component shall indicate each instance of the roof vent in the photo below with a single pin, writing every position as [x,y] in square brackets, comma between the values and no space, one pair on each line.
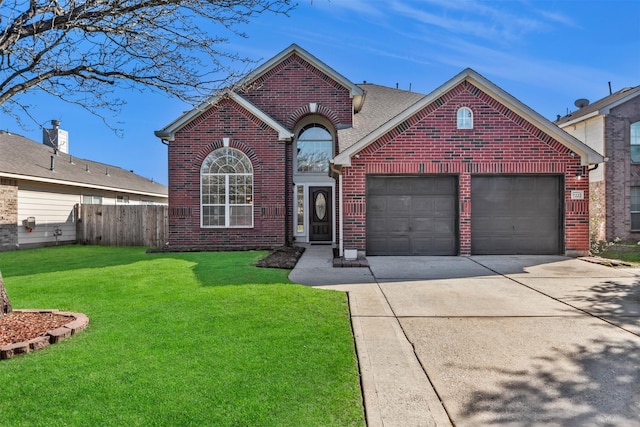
[581,103]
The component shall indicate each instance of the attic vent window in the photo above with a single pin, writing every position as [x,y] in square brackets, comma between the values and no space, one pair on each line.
[465,118]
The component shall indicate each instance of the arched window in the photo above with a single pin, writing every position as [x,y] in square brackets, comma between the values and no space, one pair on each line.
[314,148]
[226,189]
[465,118]
[635,142]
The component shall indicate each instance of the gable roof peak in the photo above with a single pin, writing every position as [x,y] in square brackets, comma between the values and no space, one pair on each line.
[354,90]
[587,155]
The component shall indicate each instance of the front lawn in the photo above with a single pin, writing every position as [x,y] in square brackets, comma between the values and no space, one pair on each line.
[179,339]
[622,252]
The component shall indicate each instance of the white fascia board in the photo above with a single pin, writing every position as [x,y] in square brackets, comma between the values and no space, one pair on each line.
[580,119]
[284,134]
[79,184]
[168,133]
[587,154]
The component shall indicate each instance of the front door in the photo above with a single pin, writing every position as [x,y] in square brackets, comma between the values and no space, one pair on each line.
[321,214]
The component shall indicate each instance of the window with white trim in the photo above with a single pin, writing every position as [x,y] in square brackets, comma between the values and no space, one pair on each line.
[635,142]
[91,200]
[314,149]
[465,118]
[635,208]
[226,180]
[300,210]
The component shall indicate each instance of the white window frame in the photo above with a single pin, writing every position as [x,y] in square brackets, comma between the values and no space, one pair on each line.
[305,200]
[634,141]
[330,141]
[632,212]
[90,199]
[227,205]
[464,121]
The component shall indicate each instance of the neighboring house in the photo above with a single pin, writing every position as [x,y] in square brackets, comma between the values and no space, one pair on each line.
[297,152]
[611,126]
[40,185]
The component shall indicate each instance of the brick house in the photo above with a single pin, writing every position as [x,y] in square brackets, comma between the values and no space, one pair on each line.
[298,153]
[611,126]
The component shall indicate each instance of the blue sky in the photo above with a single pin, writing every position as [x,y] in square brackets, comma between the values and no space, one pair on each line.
[546,53]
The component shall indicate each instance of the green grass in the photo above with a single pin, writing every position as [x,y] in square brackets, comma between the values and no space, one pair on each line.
[627,253]
[201,339]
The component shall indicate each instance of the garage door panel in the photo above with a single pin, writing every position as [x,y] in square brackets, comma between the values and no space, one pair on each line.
[378,225]
[398,205]
[397,186]
[496,224]
[377,204]
[516,215]
[419,213]
[436,246]
[398,225]
[400,245]
[376,187]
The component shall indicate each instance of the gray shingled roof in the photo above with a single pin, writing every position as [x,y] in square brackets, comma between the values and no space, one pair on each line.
[381,104]
[22,157]
[598,105]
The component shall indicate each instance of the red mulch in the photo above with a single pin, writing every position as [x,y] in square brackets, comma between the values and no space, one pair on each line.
[22,326]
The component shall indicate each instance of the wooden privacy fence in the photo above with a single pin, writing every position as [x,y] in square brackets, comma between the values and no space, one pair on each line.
[122,225]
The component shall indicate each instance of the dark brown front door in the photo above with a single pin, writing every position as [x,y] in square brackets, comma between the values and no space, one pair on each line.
[320,203]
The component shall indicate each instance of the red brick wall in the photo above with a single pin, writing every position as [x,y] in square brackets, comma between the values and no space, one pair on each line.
[260,143]
[284,93]
[500,143]
[286,90]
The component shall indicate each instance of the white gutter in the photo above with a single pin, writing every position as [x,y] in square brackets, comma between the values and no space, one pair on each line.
[579,119]
[79,184]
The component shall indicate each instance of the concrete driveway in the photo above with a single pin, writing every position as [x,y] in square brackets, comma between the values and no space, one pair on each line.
[492,340]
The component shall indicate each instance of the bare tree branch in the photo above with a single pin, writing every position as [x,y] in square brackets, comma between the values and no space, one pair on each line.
[83,51]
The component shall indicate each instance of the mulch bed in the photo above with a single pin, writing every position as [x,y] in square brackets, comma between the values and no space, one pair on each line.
[19,326]
[284,257]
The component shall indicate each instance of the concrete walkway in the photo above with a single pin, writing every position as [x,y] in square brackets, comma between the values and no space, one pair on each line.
[493,340]
[396,390]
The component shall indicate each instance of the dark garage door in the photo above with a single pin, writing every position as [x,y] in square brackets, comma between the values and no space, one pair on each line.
[516,215]
[411,215]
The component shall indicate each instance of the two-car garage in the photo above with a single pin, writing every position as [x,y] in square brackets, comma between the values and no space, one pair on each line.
[418,214]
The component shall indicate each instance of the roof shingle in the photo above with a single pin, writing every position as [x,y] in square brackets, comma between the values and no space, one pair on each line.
[22,157]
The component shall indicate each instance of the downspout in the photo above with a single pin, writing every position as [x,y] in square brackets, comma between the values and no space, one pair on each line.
[338,170]
[287,193]
[340,219]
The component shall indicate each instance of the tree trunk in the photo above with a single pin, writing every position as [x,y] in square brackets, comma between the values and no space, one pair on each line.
[5,304]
